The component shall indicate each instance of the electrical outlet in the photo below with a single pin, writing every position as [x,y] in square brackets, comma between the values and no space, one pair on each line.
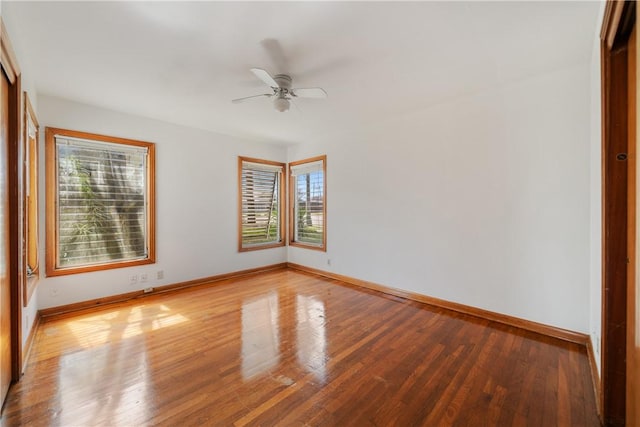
[144,277]
[160,275]
[328,261]
[133,279]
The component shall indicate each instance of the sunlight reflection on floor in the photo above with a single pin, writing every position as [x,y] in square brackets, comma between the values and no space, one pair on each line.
[99,329]
[260,335]
[110,388]
[311,336]
[261,341]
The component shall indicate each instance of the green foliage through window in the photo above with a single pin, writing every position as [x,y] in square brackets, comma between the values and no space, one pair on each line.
[102,206]
[308,184]
[101,195]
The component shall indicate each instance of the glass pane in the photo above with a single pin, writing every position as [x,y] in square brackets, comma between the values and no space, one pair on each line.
[310,208]
[260,207]
[32,203]
[101,204]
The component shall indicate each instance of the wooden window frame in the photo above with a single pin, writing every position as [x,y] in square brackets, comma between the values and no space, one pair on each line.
[31,215]
[281,203]
[292,203]
[51,256]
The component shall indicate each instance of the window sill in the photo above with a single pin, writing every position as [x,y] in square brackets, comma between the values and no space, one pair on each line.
[321,248]
[259,247]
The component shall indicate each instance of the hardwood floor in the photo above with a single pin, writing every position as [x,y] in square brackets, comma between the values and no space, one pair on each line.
[289,348]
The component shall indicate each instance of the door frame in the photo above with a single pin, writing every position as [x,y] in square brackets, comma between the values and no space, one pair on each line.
[618,208]
[9,64]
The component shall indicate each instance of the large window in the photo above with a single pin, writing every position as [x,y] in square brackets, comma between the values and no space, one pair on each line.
[100,202]
[261,212]
[308,203]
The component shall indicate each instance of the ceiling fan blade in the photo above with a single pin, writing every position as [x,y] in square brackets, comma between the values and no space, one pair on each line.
[276,54]
[239,100]
[295,104]
[309,92]
[265,77]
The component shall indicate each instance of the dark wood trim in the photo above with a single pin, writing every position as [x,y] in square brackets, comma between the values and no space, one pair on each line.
[9,64]
[632,415]
[98,303]
[16,191]
[28,345]
[614,199]
[619,19]
[551,331]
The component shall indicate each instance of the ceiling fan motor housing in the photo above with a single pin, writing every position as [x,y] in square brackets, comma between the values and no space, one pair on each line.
[281,102]
[283,80]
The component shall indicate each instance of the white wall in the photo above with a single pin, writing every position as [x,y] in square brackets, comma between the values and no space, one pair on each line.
[196,202]
[482,201]
[595,175]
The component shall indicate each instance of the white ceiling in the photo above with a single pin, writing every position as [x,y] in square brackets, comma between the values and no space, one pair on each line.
[184,62]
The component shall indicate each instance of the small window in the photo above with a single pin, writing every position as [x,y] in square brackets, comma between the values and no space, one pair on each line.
[100,202]
[308,202]
[261,219]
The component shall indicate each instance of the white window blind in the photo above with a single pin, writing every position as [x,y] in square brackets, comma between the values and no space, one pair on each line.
[260,212]
[101,202]
[307,168]
[309,199]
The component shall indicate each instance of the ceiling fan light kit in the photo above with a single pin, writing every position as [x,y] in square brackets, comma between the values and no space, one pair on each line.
[281,86]
[281,104]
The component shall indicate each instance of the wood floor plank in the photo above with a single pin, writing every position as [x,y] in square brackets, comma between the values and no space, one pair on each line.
[291,348]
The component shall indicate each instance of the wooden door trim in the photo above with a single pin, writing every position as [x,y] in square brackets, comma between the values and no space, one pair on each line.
[618,22]
[7,55]
[9,64]
[631,413]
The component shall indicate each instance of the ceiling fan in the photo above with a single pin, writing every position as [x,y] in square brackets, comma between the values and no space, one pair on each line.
[280,84]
